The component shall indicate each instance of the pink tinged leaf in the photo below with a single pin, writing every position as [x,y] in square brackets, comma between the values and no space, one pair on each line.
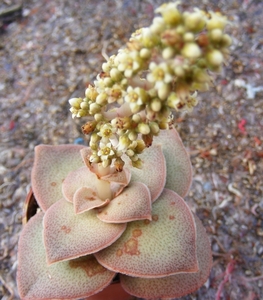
[85,154]
[77,179]
[153,172]
[161,247]
[51,166]
[73,279]
[118,180]
[86,199]
[179,285]
[134,203]
[178,164]
[122,177]
[68,236]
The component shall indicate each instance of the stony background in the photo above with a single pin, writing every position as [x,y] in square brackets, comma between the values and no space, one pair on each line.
[52,53]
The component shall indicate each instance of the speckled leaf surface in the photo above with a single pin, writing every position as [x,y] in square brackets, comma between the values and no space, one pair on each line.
[178,164]
[153,173]
[51,166]
[164,246]
[134,203]
[77,278]
[67,235]
[179,285]
[76,179]
[86,199]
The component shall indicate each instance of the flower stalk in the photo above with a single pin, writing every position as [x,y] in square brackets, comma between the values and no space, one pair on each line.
[156,75]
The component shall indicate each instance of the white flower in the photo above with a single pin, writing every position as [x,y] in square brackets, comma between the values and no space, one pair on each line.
[159,74]
[105,151]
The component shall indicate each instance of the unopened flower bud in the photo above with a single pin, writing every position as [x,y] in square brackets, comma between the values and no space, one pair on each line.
[215,58]
[195,21]
[132,136]
[191,50]
[168,52]
[156,105]
[94,108]
[216,35]
[75,102]
[216,21]
[145,53]
[144,128]
[115,74]
[154,128]
[136,118]
[102,99]
[140,146]
[137,164]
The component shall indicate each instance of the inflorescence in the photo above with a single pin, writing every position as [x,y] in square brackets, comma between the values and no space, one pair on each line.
[159,72]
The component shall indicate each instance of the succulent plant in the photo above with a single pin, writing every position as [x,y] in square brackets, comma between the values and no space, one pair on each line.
[116,207]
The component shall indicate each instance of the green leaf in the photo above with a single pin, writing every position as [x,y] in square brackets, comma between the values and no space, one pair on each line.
[161,247]
[51,166]
[73,279]
[178,285]
[68,235]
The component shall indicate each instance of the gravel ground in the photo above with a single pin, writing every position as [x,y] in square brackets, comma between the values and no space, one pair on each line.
[54,50]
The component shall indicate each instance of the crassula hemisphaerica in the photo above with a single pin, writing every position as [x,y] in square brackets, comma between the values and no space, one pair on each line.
[117,206]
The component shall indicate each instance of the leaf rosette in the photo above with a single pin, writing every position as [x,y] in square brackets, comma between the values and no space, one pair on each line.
[92,225]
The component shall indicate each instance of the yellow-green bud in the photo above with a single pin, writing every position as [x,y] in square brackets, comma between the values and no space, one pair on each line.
[191,50]
[94,108]
[144,128]
[145,53]
[75,102]
[102,99]
[98,117]
[84,105]
[136,118]
[154,128]
[215,58]
[168,52]
[133,136]
[170,13]
[115,74]
[226,40]
[189,37]
[195,21]
[216,35]
[137,164]
[164,91]
[156,105]
[216,21]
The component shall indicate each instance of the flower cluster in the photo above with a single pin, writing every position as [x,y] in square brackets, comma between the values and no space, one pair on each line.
[158,73]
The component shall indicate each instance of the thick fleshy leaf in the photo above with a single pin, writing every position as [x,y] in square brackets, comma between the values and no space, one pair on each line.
[67,235]
[51,166]
[178,164]
[122,178]
[73,279]
[179,285]
[86,199]
[164,246]
[153,172]
[134,203]
[79,178]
